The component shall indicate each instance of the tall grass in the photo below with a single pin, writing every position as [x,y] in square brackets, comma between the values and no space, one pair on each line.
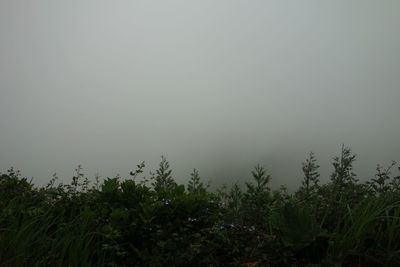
[153,221]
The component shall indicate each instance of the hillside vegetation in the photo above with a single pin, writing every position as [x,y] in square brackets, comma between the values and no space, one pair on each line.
[153,221]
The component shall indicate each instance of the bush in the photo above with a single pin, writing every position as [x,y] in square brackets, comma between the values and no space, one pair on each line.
[132,222]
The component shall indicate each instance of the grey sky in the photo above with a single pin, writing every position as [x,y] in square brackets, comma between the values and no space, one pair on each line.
[217,85]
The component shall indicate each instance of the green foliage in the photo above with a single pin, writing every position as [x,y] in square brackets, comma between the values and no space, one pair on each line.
[162,179]
[343,175]
[195,186]
[257,198]
[130,222]
[12,185]
[309,186]
[366,228]
[299,229]
[382,183]
[261,180]
[395,183]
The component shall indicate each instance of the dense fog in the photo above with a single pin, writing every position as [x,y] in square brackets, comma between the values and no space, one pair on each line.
[216,85]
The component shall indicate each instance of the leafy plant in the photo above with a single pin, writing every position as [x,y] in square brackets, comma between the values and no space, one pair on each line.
[309,185]
[130,222]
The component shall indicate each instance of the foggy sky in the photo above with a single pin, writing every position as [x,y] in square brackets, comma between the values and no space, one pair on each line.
[216,85]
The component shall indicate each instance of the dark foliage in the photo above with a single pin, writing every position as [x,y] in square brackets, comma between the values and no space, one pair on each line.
[127,222]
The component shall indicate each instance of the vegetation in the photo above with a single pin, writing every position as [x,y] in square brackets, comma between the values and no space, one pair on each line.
[157,222]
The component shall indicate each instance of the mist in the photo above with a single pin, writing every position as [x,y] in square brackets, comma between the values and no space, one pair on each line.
[214,85]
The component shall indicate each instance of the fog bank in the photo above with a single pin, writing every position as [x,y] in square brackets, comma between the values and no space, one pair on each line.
[216,85]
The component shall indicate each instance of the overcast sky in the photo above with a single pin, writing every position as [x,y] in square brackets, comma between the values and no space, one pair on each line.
[216,85]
